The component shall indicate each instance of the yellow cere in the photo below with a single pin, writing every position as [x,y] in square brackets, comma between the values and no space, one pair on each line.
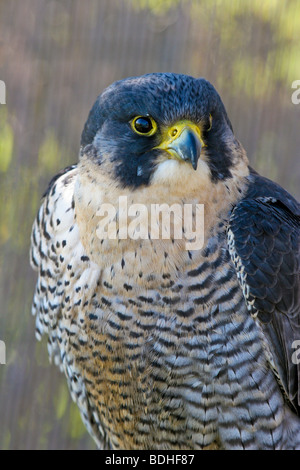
[173,132]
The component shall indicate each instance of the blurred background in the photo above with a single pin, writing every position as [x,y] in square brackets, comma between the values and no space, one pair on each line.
[56,56]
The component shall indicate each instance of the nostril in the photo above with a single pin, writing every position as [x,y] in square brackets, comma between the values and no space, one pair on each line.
[174,132]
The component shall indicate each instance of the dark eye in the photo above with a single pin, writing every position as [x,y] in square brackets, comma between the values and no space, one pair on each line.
[144,125]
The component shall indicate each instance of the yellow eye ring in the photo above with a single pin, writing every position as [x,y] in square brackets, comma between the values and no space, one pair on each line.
[210,123]
[144,125]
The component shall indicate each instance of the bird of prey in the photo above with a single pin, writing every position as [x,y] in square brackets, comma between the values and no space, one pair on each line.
[164,346]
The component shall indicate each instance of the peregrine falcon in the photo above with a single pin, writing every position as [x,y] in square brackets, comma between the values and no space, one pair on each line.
[165,347]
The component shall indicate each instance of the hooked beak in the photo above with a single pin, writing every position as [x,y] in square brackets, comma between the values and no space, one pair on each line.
[183,142]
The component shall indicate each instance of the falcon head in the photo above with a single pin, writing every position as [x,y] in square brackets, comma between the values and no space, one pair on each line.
[161,127]
[159,138]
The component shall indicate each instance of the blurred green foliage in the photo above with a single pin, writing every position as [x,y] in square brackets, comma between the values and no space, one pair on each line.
[49,153]
[277,21]
[6,141]
[158,7]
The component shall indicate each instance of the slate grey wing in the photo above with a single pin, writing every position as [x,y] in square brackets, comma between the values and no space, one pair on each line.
[264,243]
